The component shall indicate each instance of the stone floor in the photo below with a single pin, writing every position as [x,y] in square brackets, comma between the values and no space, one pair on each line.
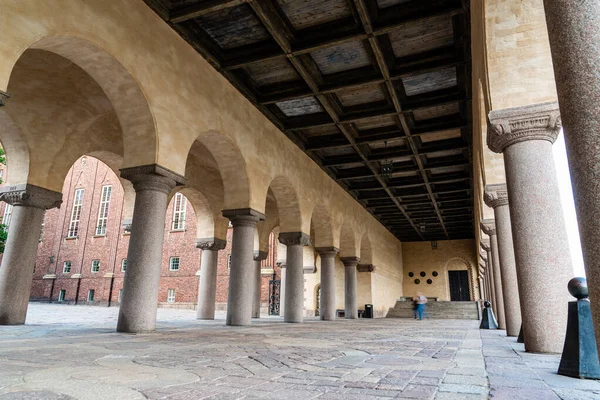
[67,352]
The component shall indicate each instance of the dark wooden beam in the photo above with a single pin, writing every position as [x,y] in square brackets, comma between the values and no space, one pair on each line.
[204,8]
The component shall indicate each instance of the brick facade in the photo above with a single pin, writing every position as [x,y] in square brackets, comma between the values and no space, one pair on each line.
[56,248]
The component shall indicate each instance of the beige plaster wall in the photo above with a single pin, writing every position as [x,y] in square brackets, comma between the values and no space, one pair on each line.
[386,289]
[166,96]
[450,255]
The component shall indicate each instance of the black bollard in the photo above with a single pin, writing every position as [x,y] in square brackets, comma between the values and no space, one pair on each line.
[489,320]
[580,354]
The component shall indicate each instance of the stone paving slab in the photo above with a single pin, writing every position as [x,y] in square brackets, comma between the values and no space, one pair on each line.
[67,352]
[514,374]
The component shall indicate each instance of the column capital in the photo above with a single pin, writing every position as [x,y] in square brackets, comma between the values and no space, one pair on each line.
[327,252]
[243,216]
[488,226]
[152,177]
[281,263]
[260,255]
[211,243]
[294,238]
[496,195]
[3,97]
[30,196]
[366,268]
[518,124]
[350,261]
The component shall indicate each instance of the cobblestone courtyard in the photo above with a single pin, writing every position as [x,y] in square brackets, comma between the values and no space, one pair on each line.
[67,352]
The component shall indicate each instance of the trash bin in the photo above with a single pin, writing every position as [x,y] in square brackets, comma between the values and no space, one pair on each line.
[368,310]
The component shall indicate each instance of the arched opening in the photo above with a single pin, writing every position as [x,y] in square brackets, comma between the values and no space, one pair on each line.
[459,283]
[348,245]
[81,257]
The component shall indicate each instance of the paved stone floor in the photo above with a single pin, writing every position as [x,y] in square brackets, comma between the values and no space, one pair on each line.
[67,352]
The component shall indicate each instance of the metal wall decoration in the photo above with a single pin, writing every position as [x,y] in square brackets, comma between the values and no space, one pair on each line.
[422,274]
[411,274]
[417,281]
[387,167]
[274,288]
[429,281]
[434,273]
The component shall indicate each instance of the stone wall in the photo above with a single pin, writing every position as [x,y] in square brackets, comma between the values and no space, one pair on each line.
[449,255]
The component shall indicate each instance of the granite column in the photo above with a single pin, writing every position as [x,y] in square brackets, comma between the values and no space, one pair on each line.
[350,287]
[575,46]
[496,197]
[258,257]
[489,227]
[152,184]
[525,136]
[207,290]
[16,271]
[241,273]
[327,306]
[294,274]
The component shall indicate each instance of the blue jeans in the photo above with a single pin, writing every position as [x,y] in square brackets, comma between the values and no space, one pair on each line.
[420,310]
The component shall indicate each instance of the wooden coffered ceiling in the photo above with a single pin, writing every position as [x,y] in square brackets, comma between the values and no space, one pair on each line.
[354,83]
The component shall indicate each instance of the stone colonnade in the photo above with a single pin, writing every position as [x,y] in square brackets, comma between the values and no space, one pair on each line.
[530,255]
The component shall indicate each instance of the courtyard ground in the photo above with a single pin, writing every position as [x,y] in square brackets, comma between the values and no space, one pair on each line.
[67,352]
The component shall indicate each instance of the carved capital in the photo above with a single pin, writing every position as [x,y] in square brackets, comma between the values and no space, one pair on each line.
[365,268]
[243,216]
[496,195]
[350,261]
[281,263]
[518,124]
[488,226]
[211,243]
[294,238]
[260,255]
[30,196]
[152,177]
[327,252]
[3,97]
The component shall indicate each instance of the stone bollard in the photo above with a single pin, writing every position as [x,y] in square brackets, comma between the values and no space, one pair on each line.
[489,320]
[580,354]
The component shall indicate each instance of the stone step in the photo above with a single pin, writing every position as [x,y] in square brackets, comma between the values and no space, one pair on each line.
[438,310]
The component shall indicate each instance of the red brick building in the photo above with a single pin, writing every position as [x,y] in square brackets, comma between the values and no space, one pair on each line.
[82,254]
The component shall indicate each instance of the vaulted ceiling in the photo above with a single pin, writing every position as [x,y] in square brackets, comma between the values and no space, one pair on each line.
[357,85]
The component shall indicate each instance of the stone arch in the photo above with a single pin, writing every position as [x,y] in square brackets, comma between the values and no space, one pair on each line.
[459,264]
[288,206]
[221,154]
[66,105]
[270,222]
[321,224]
[366,252]
[348,245]
[121,88]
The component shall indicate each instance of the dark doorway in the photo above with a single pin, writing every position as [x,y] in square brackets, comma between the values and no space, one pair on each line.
[459,285]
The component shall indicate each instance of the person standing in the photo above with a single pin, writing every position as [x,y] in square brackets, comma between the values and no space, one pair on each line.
[421,302]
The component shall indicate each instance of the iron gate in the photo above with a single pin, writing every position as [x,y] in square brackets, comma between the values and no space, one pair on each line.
[274,286]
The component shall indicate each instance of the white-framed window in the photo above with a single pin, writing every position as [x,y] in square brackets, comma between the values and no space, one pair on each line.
[67,267]
[174,264]
[7,214]
[171,296]
[120,295]
[124,265]
[179,212]
[95,266]
[91,294]
[228,261]
[103,211]
[61,295]
[76,213]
